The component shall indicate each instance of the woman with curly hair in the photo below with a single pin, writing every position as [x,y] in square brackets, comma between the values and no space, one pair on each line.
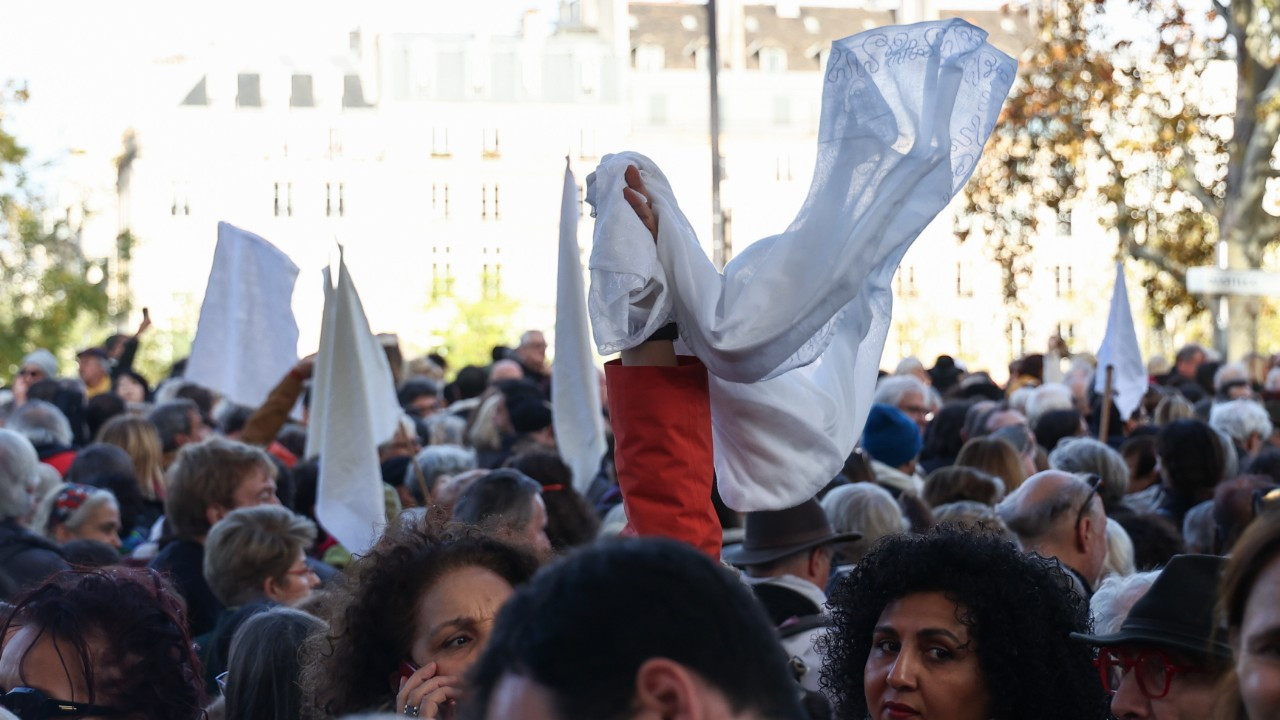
[110,642]
[961,626]
[408,621]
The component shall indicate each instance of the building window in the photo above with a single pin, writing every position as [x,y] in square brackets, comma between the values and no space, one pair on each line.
[964,281]
[335,143]
[657,109]
[649,58]
[782,170]
[440,202]
[335,203]
[440,142]
[1063,281]
[302,93]
[1017,338]
[489,209]
[489,143]
[181,204]
[907,281]
[248,90]
[282,203]
[781,111]
[773,59]
[491,281]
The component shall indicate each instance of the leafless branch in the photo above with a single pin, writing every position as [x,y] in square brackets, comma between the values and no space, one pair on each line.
[1161,261]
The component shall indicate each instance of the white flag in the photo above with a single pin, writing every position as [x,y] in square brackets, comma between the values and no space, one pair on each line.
[575,392]
[247,338]
[1120,350]
[353,410]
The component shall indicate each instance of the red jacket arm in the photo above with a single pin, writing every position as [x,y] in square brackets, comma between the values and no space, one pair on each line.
[661,420]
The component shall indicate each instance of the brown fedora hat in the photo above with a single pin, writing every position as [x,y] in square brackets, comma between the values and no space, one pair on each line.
[774,534]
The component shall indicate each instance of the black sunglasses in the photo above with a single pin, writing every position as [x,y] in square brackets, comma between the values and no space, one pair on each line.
[1094,481]
[31,704]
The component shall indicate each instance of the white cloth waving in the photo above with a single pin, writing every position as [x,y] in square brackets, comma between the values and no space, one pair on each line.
[793,329]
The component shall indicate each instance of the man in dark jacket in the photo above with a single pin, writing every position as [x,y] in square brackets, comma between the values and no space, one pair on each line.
[26,559]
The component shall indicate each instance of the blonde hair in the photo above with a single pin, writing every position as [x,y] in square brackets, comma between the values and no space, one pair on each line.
[139,438]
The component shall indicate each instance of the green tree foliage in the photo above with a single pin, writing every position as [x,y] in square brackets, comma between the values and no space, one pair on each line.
[47,287]
[1166,116]
[477,326]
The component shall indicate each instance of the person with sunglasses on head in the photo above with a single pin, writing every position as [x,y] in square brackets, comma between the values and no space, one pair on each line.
[109,643]
[1060,515]
[1168,658]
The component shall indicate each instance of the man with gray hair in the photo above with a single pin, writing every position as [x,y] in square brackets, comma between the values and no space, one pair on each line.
[25,558]
[531,353]
[179,424]
[1087,456]
[1059,515]
[48,431]
[908,394]
[1244,421]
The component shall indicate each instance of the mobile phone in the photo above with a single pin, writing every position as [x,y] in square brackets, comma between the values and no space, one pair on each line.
[407,669]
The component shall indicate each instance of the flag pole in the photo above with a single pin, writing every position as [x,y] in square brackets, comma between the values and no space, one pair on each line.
[1105,425]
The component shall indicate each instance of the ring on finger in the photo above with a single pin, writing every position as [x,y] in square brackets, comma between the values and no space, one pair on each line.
[411,710]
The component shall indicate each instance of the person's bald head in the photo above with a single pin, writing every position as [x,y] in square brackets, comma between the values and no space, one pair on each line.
[505,370]
[532,350]
[1059,514]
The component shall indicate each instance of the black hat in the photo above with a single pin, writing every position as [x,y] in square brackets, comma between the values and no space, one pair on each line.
[1177,612]
[93,352]
[774,534]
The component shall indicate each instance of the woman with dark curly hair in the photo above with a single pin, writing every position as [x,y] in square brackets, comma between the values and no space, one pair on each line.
[110,642]
[961,626]
[408,621]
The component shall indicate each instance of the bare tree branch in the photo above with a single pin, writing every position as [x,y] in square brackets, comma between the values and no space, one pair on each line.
[1160,260]
[1188,183]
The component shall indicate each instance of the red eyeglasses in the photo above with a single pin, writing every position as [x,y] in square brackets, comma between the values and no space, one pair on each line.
[1155,672]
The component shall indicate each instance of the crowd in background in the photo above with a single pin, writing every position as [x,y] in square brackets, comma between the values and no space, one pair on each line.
[985,552]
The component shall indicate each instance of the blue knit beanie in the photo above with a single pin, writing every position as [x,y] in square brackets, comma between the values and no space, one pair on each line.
[890,436]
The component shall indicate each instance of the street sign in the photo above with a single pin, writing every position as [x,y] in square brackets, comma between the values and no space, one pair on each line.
[1219,281]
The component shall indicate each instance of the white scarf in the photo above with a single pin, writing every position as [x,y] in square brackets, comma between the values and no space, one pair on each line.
[793,329]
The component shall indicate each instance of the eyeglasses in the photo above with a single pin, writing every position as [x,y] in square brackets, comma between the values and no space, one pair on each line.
[31,704]
[1155,670]
[1094,481]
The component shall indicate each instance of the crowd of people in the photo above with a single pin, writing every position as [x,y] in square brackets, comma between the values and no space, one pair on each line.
[987,551]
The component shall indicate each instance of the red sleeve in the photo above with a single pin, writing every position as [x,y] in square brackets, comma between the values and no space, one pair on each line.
[661,420]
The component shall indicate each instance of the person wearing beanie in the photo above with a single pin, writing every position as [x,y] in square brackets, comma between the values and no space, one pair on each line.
[893,441]
[38,365]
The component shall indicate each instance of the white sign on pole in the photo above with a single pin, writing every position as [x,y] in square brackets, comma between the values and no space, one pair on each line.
[1220,281]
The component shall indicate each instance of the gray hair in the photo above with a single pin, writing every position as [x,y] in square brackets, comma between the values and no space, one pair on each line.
[1199,530]
[437,460]
[972,515]
[908,366]
[42,423]
[1032,522]
[864,508]
[1241,419]
[1172,407]
[1230,373]
[1047,398]
[1120,557]
[94,499]
[893,387]
[1115,597]
[18,462]
[446,429]
[1083,455]
[250,545]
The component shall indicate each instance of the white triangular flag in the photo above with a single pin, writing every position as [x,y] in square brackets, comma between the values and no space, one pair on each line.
[353,410]
[1120,350]
[247,338]
[575,394]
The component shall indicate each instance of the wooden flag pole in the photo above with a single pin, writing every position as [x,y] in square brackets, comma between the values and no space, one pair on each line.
[1105,425]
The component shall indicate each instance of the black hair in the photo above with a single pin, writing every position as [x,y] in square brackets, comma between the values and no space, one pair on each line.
[652,599]
[133,507]
[943,438]
[99,459]
[137,622]
[470,382]
[411,390]
[1055,425]
[233,418]
[1019,609]
[101,408]
[570,520]
[1191,457]
[1155,539]
[1266,462]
